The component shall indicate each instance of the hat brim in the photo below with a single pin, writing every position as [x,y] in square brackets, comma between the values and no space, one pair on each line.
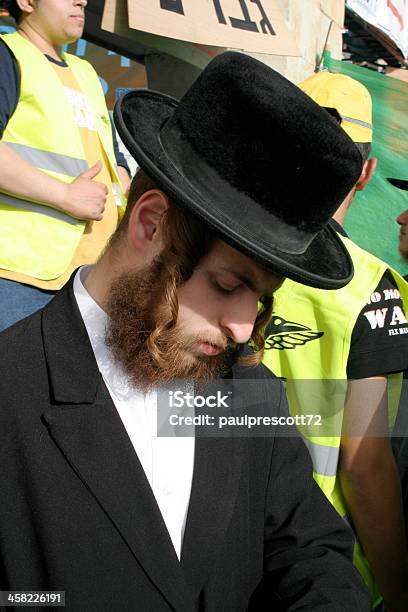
[139,115]
[400,183]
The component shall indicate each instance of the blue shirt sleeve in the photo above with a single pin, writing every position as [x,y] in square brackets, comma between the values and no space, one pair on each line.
[9,85]
[120,158]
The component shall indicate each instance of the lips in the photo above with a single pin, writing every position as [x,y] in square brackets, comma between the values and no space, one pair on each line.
[210,349]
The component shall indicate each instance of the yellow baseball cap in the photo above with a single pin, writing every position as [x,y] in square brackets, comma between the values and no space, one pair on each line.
[348,97]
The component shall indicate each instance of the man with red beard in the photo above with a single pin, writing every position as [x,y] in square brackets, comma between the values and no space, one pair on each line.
[99,506]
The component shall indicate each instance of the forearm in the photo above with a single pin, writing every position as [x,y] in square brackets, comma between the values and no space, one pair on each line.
[20,179]
[374,502]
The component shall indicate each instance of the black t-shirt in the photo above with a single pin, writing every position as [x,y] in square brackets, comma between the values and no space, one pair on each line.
[10,93]
[379,341]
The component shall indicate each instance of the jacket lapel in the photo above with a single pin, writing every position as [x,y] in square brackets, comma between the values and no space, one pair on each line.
[217,476]
[89,432]
[216,480]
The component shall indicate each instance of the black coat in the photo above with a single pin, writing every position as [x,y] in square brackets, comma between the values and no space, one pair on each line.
[77,513]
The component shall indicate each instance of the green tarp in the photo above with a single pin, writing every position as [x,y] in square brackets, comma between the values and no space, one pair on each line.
[371,218]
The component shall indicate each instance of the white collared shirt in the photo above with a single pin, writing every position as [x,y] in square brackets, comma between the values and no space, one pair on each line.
[167,462]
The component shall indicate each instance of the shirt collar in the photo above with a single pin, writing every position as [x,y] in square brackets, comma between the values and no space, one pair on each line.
[95,320]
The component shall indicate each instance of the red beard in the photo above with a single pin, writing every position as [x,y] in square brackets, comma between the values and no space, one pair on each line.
[151,350]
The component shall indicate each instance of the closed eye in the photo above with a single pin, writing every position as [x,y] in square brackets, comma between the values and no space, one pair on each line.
[224,289]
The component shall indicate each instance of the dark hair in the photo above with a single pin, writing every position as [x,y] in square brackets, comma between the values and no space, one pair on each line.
[12,7]
[187,240]
[364,148]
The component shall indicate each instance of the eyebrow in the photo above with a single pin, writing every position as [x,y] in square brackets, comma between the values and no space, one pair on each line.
[247,280]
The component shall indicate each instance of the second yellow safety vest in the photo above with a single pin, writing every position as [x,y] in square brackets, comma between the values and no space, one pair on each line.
[308,344]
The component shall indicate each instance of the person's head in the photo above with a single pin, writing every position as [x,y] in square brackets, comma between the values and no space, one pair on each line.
[57,21]
[402,218]
[183,299]
[216,219]
[349,103]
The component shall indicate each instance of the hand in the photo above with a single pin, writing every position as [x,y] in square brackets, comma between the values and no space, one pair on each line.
[85,198]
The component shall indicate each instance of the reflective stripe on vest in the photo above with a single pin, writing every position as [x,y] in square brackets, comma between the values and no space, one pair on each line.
[53,162]
[40,209]
[325,458]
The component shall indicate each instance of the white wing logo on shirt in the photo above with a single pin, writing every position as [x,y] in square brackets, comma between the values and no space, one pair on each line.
[281,334]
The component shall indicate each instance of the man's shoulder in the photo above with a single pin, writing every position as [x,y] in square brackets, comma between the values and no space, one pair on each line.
[19,339]
[23,374]
[6,54]
[360,254]
[9,69]
[362,257]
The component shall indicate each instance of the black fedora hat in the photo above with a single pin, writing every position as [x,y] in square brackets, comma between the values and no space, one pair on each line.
[255,158]
[400,183]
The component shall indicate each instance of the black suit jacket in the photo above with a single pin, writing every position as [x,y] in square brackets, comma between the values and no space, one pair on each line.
[77,513]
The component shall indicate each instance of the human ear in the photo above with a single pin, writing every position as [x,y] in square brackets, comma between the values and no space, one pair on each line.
[367,173]
[27,6]
[145,221]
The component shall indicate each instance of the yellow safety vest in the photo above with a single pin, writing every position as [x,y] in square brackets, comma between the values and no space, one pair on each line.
[43,131]
[308,344]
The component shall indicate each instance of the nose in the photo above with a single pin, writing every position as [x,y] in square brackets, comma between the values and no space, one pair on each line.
[238,322]
[402,219]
